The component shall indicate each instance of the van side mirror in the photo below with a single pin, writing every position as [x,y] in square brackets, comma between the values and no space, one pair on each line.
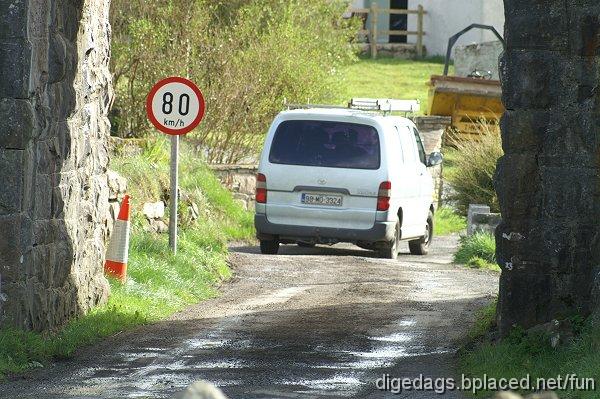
[434,159]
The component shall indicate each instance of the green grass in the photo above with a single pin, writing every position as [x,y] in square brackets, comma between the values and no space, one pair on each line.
[485,321]
[446,222]
[389,78]
[524,353]
[477,251]
[159,283]
[450,158]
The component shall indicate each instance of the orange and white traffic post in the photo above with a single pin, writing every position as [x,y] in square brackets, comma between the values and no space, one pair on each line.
[118,248]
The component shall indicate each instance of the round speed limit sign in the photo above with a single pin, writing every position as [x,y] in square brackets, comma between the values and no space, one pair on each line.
[175,106]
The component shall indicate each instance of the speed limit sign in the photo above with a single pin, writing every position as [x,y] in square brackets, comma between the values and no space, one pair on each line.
[175,106]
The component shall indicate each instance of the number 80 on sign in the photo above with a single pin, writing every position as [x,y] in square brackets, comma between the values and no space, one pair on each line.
[175,106]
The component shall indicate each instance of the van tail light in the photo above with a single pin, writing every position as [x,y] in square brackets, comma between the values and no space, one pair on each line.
[261,188]
[383,198]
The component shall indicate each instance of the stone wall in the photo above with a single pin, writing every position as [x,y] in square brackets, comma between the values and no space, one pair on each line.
[548,183]
[54,97]
[431,129]
[240,180]
[396,50]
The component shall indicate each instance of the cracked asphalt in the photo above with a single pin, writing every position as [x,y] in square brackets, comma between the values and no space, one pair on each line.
[308,323]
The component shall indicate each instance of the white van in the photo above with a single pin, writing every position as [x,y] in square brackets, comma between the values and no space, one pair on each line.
[330,175]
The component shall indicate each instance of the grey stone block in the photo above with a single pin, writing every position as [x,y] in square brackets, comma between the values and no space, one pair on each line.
[13,19]
[16,123]
[478,56]
[39,18]
[10,245]
[11,176]
[15,64]
[57,59]
[536,25]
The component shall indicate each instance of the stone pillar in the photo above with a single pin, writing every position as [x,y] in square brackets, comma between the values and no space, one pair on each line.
[54,97]
[548,183]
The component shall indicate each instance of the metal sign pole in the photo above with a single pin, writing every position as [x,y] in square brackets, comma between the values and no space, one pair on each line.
[175,106]
[174,193]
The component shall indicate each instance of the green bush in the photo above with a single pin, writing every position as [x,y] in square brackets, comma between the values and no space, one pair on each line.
[473,166]
[246,56]
[478,251]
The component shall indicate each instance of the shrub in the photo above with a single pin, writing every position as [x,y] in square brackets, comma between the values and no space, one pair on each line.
[247,57]
[477,250]
[473,168]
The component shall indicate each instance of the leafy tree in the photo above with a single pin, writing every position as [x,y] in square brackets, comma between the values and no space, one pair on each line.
[246,55]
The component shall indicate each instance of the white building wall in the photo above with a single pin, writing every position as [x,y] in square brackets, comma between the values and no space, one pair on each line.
[444,18]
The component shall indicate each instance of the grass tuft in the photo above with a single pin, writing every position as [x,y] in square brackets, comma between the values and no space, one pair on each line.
[470,168]
[477,251]
[522,354]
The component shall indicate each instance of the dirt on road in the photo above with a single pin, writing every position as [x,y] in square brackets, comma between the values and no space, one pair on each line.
[316,322]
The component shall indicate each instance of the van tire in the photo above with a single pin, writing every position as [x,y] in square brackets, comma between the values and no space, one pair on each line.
[391,252]
[269,247]
[421,246]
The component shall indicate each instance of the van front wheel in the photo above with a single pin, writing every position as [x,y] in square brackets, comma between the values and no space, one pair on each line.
[269,247]
[421,246]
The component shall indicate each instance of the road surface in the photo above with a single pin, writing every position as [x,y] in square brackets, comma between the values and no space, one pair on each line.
[321,322]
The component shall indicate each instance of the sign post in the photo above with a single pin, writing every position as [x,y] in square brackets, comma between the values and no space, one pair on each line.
[174,197]
[175,106]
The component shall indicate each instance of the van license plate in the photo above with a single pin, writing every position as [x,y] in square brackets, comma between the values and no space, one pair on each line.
[319,199]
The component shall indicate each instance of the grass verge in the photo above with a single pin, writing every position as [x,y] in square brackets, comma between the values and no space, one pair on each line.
[522,354]
[477,251]
[159,283]
[389,78]
[446,222]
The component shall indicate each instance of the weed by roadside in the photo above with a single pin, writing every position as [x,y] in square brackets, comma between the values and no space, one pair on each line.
[524,354]
[485,320]
[471,166]
[477,251]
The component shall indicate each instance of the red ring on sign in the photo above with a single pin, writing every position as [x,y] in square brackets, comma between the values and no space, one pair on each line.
[152,117]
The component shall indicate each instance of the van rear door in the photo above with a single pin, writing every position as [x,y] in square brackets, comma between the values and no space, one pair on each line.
[323,174]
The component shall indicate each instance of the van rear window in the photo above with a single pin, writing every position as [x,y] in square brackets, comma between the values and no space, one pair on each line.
[327,144]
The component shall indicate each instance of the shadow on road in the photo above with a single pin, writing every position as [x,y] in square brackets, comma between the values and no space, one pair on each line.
[319,250]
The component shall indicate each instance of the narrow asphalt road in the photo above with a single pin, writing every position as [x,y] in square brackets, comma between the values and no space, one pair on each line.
[320,322]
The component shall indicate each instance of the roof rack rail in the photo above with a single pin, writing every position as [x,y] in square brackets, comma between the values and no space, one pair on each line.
[385,105]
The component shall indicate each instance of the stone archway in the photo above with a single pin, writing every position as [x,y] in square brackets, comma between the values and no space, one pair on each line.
[549,180]
[55,91]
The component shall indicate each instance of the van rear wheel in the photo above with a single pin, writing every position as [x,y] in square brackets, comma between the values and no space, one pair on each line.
[391,252]
[269,247]
[421,246]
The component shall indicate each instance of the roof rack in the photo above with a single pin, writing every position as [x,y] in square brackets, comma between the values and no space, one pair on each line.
[385,105]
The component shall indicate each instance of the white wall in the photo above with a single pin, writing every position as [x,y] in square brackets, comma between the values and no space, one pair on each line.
[444,18]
